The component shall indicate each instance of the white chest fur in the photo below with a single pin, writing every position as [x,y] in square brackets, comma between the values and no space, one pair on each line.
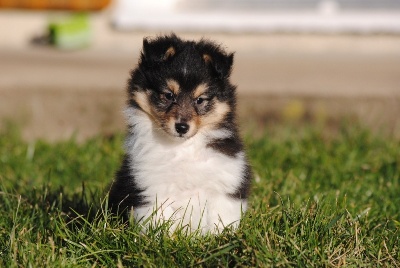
[184,180]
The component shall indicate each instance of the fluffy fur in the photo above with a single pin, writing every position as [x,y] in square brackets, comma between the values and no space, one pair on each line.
[184,158]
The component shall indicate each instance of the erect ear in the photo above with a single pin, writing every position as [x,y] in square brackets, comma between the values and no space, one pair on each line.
[160,49]
[216,59]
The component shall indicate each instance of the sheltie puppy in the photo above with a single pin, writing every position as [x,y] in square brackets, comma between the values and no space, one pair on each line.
[184,162]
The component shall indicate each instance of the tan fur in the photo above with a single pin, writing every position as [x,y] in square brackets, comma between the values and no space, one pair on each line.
[173,86]
[200,90]
[184,113]
[159,118]
[207,58]
[142,99]
[221,109]
[169,53]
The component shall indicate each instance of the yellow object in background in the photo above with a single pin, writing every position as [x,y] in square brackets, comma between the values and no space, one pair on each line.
[295,110]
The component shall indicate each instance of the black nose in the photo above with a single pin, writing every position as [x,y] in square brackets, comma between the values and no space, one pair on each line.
[181,128]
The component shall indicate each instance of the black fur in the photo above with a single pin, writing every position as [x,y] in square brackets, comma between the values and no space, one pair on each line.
[124,192]
[243,191]
[190,63]
[154,67]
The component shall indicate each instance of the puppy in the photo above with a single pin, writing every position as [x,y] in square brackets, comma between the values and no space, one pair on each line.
[184,160]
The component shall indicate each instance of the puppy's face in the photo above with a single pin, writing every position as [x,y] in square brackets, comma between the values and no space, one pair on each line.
[183,86]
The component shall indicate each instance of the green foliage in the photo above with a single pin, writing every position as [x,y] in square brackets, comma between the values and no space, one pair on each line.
[318,201]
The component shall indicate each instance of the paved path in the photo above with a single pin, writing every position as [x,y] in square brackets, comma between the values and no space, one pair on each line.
[54,94]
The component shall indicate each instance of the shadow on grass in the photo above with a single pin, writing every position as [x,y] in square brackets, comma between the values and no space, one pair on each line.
[47,204]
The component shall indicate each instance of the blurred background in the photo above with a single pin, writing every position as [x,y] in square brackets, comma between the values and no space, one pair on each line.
[64,63]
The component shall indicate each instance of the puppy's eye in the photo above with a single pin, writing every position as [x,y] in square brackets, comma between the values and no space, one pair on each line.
[169,96]
[200,100]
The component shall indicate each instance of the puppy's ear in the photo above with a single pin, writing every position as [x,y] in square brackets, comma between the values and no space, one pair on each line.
[216,59]
[160,49]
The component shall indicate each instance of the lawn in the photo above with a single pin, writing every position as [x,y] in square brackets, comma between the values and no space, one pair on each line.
[319,199]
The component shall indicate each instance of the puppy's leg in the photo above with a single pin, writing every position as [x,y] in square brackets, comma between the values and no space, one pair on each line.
[153,215]
[224,211]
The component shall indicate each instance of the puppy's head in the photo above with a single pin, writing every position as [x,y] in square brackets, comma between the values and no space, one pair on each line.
[183,86]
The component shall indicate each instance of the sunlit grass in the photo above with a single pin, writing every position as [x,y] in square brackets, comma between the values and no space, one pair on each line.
[317,200]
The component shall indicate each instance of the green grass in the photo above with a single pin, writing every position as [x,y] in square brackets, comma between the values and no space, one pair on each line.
[317,201]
